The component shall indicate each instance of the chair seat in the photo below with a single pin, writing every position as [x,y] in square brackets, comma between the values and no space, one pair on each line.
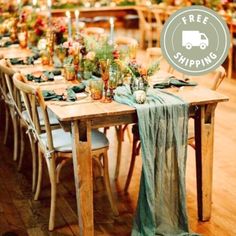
[52,118]
[63,143]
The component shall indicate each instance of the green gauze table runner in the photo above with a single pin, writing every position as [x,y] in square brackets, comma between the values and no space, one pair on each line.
[163,129]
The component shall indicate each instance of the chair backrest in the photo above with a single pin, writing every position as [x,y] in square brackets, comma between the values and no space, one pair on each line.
[7,88]
[144,14]
[32,97]
[219,76]
[130,43]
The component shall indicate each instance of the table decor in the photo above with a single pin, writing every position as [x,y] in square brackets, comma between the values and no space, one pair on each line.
[68,19]
[77,21]
[70,73]
[96,89]
[111,21]
[105,56]
[174,82]
[36,27]
[58,26]
[161,206]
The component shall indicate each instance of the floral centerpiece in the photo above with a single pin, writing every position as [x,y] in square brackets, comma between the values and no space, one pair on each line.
[58,26]
[137,74]
[37,27]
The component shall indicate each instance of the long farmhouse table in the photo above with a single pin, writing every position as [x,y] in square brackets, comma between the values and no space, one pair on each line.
[81,118]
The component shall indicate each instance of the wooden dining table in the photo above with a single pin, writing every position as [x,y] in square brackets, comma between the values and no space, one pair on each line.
[81,116]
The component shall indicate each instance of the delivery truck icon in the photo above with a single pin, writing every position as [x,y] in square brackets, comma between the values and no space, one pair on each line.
[193,38]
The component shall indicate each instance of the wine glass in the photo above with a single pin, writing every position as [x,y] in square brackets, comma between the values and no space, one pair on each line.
[113,81]
[105,69]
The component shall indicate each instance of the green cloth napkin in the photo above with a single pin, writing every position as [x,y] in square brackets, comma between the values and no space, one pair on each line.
[29,60]
[71,95]
[31,77]
[17,61]
[51,95]
[79,88]
[49,75]
[174,82]
[6,44]
[163,129]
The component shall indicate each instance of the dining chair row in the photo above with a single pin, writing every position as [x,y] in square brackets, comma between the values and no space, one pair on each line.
[53,143]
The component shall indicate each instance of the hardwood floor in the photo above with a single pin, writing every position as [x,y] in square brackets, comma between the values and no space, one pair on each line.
[21,215]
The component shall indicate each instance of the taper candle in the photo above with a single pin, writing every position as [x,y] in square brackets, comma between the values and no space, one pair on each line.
[77,21]
[111,29]
[49,2]
[69,24]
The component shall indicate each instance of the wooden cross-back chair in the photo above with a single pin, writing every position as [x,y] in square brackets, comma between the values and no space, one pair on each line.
[157,13]
[146,26]
[218,77]
[55,146]
[9,97]
[18,115]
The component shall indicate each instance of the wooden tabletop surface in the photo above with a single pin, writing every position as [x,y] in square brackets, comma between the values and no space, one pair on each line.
[192,95]
[15,52]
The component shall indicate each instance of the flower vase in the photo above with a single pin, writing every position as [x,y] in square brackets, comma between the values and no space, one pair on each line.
[105,70]
[138,87]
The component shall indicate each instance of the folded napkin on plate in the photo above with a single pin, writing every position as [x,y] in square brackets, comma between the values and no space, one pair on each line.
[36,79]
[174,82]
[17,61]
[49,75]
[28,61]
[51,95]
[46,76]
[78,88]
[7,44]
[71,95]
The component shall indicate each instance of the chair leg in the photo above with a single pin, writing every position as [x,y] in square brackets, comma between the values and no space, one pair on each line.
[6,125]
[34,164]
[119,132]
[58,170]
[52,175]
[129,133]
[40,172]
[15,128]
[132,162]
[22,148]
[107,184]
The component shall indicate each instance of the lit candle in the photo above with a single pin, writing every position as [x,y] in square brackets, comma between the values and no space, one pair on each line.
[77,21]
[69,23]
[49,7]
[34,3]
[19,4]
[111,29]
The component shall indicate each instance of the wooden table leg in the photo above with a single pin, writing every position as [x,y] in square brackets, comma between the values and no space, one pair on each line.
[204,138]
[82,162]
[120,139]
